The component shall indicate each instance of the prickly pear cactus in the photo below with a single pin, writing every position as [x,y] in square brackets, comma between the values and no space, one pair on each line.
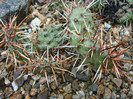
[49,37]
[79,23]
[80,18]
[81,28]
[125,12]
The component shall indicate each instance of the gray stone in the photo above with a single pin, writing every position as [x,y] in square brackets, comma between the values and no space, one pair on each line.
[130,93]
[113,96]
[79,95]
[123,95]
[75,85]
[19,79]
[27,87]
[93,87]
[42,80]
[43,95]
[7,6]
[69,78]
[82,77]
[117,81]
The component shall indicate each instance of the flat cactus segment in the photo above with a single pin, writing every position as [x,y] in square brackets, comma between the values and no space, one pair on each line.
[49,37]
[78,18]
[124,14]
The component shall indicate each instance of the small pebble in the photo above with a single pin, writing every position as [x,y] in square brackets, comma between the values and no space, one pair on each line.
[90,93]
[27,86]
[8,91]
[16,96]
[42,80]
[100,90]
[35,24]
[68,96]
[19,79]
[131,73]
[113,96]
[117,81]
[67,88]
[43,95]
[131,88]
[53,85]
[110,87]
[7,82]
[59,97]
[93,87]
[123,95]
[107,25]
[36,77]
[107,94]
[25,77]
[33,91]
[15,86]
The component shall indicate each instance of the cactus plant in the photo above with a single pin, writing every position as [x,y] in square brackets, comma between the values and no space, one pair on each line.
[45,60]
[11,40]
[81,28]
[89,43]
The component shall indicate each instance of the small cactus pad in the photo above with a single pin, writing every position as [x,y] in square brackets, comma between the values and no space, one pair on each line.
[49,37]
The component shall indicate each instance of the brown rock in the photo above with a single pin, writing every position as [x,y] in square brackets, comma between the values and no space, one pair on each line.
[92,97]
[42,80]
[68,96]
[27,96]
[110,87]
[107,94]
[33,91]
[100,90]
[67,88]
[8,91]
[60,96]
[125,90]
[61,90]
[16,96]
[53,85]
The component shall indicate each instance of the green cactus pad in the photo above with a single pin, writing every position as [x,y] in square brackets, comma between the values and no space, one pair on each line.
[78,18]
[81,20]
[126,12]
[49,37]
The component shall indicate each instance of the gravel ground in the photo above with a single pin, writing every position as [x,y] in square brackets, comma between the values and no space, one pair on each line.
[35,86]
